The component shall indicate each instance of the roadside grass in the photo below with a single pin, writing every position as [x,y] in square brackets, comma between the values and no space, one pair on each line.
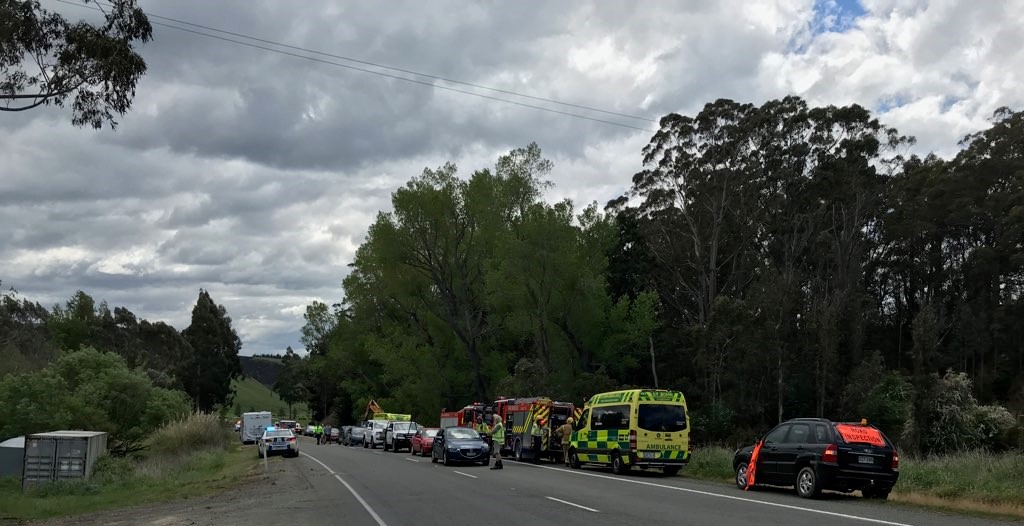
[710,463]
[977,482]
[974,482]
[179,464]
[250,395]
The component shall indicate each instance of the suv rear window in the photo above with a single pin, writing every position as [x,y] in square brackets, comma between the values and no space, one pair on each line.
[661,417]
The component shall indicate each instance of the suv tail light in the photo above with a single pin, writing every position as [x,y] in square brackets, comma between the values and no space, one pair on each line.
[895,460]
[632,440]
[831,455]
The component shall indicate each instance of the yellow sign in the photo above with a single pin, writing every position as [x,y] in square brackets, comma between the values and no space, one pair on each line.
[391,416]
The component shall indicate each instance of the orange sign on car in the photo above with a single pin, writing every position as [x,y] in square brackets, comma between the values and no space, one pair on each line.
[855,434]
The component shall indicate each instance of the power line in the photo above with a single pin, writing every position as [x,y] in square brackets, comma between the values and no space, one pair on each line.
[396,77]
[411,72]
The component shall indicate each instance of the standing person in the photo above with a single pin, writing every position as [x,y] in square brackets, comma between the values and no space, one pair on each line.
[498,438]
[565,433]
[481,428]
[318,430]
[537,432]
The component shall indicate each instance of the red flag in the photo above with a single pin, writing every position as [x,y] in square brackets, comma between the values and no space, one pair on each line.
[752,467]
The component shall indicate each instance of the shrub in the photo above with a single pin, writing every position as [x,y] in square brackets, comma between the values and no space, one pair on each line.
[956,423]
[88,389]
[113,469]
[712,424]
[196,432]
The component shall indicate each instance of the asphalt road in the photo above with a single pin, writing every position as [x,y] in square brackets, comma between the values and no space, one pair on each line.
[372,487]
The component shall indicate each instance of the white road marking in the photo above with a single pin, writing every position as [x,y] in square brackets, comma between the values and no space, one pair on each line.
[572,504]
[466,474]
[412,459]
[351,490]
[723,496]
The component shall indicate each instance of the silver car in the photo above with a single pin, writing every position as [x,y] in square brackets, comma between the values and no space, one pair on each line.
[353,436]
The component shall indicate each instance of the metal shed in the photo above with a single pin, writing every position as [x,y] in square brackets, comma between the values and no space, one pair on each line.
[61,455]
[12,457]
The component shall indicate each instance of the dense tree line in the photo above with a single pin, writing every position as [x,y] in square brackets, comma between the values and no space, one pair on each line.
[200,361]
[770,261]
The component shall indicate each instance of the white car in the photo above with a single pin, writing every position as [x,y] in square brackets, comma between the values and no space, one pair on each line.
[373,435]
[276,440]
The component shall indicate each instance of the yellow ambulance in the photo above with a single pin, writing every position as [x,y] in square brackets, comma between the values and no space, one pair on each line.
[649,428]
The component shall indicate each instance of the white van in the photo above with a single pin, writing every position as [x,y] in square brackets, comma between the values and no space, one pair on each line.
[253,426]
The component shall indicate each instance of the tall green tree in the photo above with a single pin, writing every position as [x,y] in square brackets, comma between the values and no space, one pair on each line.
[290,381]
[214,361]
[46,59]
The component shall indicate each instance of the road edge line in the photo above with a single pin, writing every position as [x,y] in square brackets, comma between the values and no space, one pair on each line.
[350,489]
[723,496]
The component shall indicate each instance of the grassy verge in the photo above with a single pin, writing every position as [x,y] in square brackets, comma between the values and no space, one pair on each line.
[181,466]
[250,395]
[970,482]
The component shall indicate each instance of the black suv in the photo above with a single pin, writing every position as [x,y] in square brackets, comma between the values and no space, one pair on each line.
[815,454]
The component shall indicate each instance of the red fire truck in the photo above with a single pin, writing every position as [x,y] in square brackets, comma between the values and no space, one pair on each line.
[520,416]
[466,417]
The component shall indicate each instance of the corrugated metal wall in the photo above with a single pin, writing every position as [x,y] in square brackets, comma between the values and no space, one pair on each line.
[51,457]
[12,459]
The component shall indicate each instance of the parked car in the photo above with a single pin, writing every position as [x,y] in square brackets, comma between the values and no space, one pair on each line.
[334,435]
[814,454]
[354,437]
[459,444]
[287,424]
[310,430]
[276,440]
[423,440]
[373,435]
[298,428]
[398,435]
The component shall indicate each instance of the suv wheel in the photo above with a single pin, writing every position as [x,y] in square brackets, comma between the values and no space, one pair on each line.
[741,475]
[807,485]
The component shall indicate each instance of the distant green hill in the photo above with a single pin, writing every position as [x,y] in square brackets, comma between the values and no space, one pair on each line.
[251,395]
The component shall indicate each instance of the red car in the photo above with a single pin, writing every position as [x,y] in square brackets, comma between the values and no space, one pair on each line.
[423,440]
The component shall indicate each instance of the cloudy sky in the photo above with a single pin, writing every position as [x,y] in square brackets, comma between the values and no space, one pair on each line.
[255,174]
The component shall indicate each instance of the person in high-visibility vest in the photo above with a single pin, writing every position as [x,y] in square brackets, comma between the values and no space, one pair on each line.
[565,433]
[498,438]
[484,431]
[319,431]
[537,432]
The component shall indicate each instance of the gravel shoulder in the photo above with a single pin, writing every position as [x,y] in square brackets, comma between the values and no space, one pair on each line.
[259,496]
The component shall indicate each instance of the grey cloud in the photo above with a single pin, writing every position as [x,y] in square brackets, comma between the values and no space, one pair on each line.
[256,175]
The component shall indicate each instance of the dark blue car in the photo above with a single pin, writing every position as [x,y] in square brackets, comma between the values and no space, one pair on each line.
[460,444]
